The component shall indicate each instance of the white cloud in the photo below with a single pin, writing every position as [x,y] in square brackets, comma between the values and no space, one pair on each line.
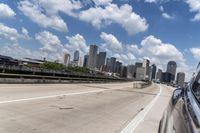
[196,53]
[194,7]
[130,21]
[34,12]
[102,2]
[167,16]
[9,33]
[50,42]
[111,42]
[77,42]
[25,33]
[6,11]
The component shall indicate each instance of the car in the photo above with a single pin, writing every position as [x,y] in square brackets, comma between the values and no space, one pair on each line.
[183,112]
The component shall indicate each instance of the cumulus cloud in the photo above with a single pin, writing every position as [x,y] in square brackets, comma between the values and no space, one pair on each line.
[167,16]
[77,42]
[6,11]
[196,53]
[102,2]
[194,7]
[34,12]
[130,21]
[50,42]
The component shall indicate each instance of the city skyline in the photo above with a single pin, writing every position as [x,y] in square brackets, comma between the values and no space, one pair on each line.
[54,29]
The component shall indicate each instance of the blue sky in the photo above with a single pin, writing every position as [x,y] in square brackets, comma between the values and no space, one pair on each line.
[161,30]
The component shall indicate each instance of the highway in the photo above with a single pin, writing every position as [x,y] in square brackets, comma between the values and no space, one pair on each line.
[81,108]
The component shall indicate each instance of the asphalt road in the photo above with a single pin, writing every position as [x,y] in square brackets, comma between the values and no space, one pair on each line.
[81,108]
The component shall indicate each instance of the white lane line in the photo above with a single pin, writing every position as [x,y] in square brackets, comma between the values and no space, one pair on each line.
[50,96]
[140,117]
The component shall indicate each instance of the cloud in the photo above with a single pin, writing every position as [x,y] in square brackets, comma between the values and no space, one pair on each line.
[34,12]
[111,42]
[196,53]
[77,42]
[25,33]
[130,21]
[102,2]
[8,33]
[50,42]
[194,7]
[6,11]
[167,16]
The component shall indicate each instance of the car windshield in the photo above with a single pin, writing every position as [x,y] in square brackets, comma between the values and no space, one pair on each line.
[196,86]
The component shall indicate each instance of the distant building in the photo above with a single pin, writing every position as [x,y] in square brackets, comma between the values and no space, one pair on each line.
[153,72]
[92,56]
[107,61]
[101,59]
[76,56]
[159,75]
[118,67]
[146,64]
[105,68]
[180,79]
[166,77]
[124,72]
[85,61]
[140,73]
[171,68]
[112,64]
[137,64]
[66,59]
[130,71]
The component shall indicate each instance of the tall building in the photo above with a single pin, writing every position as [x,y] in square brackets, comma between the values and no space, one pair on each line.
[107,61]
[124,72]
[130,71]
[146,64]
[180,79]
[101,59]
[112,64]
[76,56]
[166,77]
[85,61]
[153,72]
[118,67]
[159,75]
[171,68]
[140,73]
[66,59]
[137,64]
[92,56]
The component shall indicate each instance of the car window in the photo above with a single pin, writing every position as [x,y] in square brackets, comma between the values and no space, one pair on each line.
[196,86]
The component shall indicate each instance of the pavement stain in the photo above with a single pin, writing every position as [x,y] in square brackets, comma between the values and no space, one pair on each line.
[62,108]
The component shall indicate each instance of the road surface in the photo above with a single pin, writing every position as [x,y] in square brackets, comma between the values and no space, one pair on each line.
[81,108]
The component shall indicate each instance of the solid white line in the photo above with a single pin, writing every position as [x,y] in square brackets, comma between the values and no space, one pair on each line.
[140,117]
[50,96]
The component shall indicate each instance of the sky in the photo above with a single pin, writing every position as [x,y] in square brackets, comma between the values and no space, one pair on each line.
[130,30]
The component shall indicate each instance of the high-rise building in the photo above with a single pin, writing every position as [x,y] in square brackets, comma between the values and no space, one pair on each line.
[66,59]
[130,71]
[112,64]
[137,64]
[140,73]
[124,72]
[92,56]
[180,79]
[166,77]
[146,64]
[107,61]
[153,72]
[85,61]
[76,56]
[171,68]
[159,75]
[118,67]
[101,59]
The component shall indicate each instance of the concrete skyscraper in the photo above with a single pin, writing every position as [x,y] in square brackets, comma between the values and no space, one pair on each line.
[85,61]
[112,64]
[146,64]
[159,75]
[66,59]
[153,72]
[92,56]
[171,68]
[101,59]
[76,56]
[180,79]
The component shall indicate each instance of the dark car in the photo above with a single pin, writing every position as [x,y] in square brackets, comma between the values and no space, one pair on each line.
[183,112]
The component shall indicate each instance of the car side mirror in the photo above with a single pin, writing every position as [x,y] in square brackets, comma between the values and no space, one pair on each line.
[176,95]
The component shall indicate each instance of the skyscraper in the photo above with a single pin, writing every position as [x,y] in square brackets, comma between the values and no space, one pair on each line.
[146,64]
[76,56]
[66,59]
[112,64]
[137,64]
[130,71]
[85,61]
[101,59]
[118,67]
[153,72]
[159,75]
[171,68]
[92,56]
[180,79]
